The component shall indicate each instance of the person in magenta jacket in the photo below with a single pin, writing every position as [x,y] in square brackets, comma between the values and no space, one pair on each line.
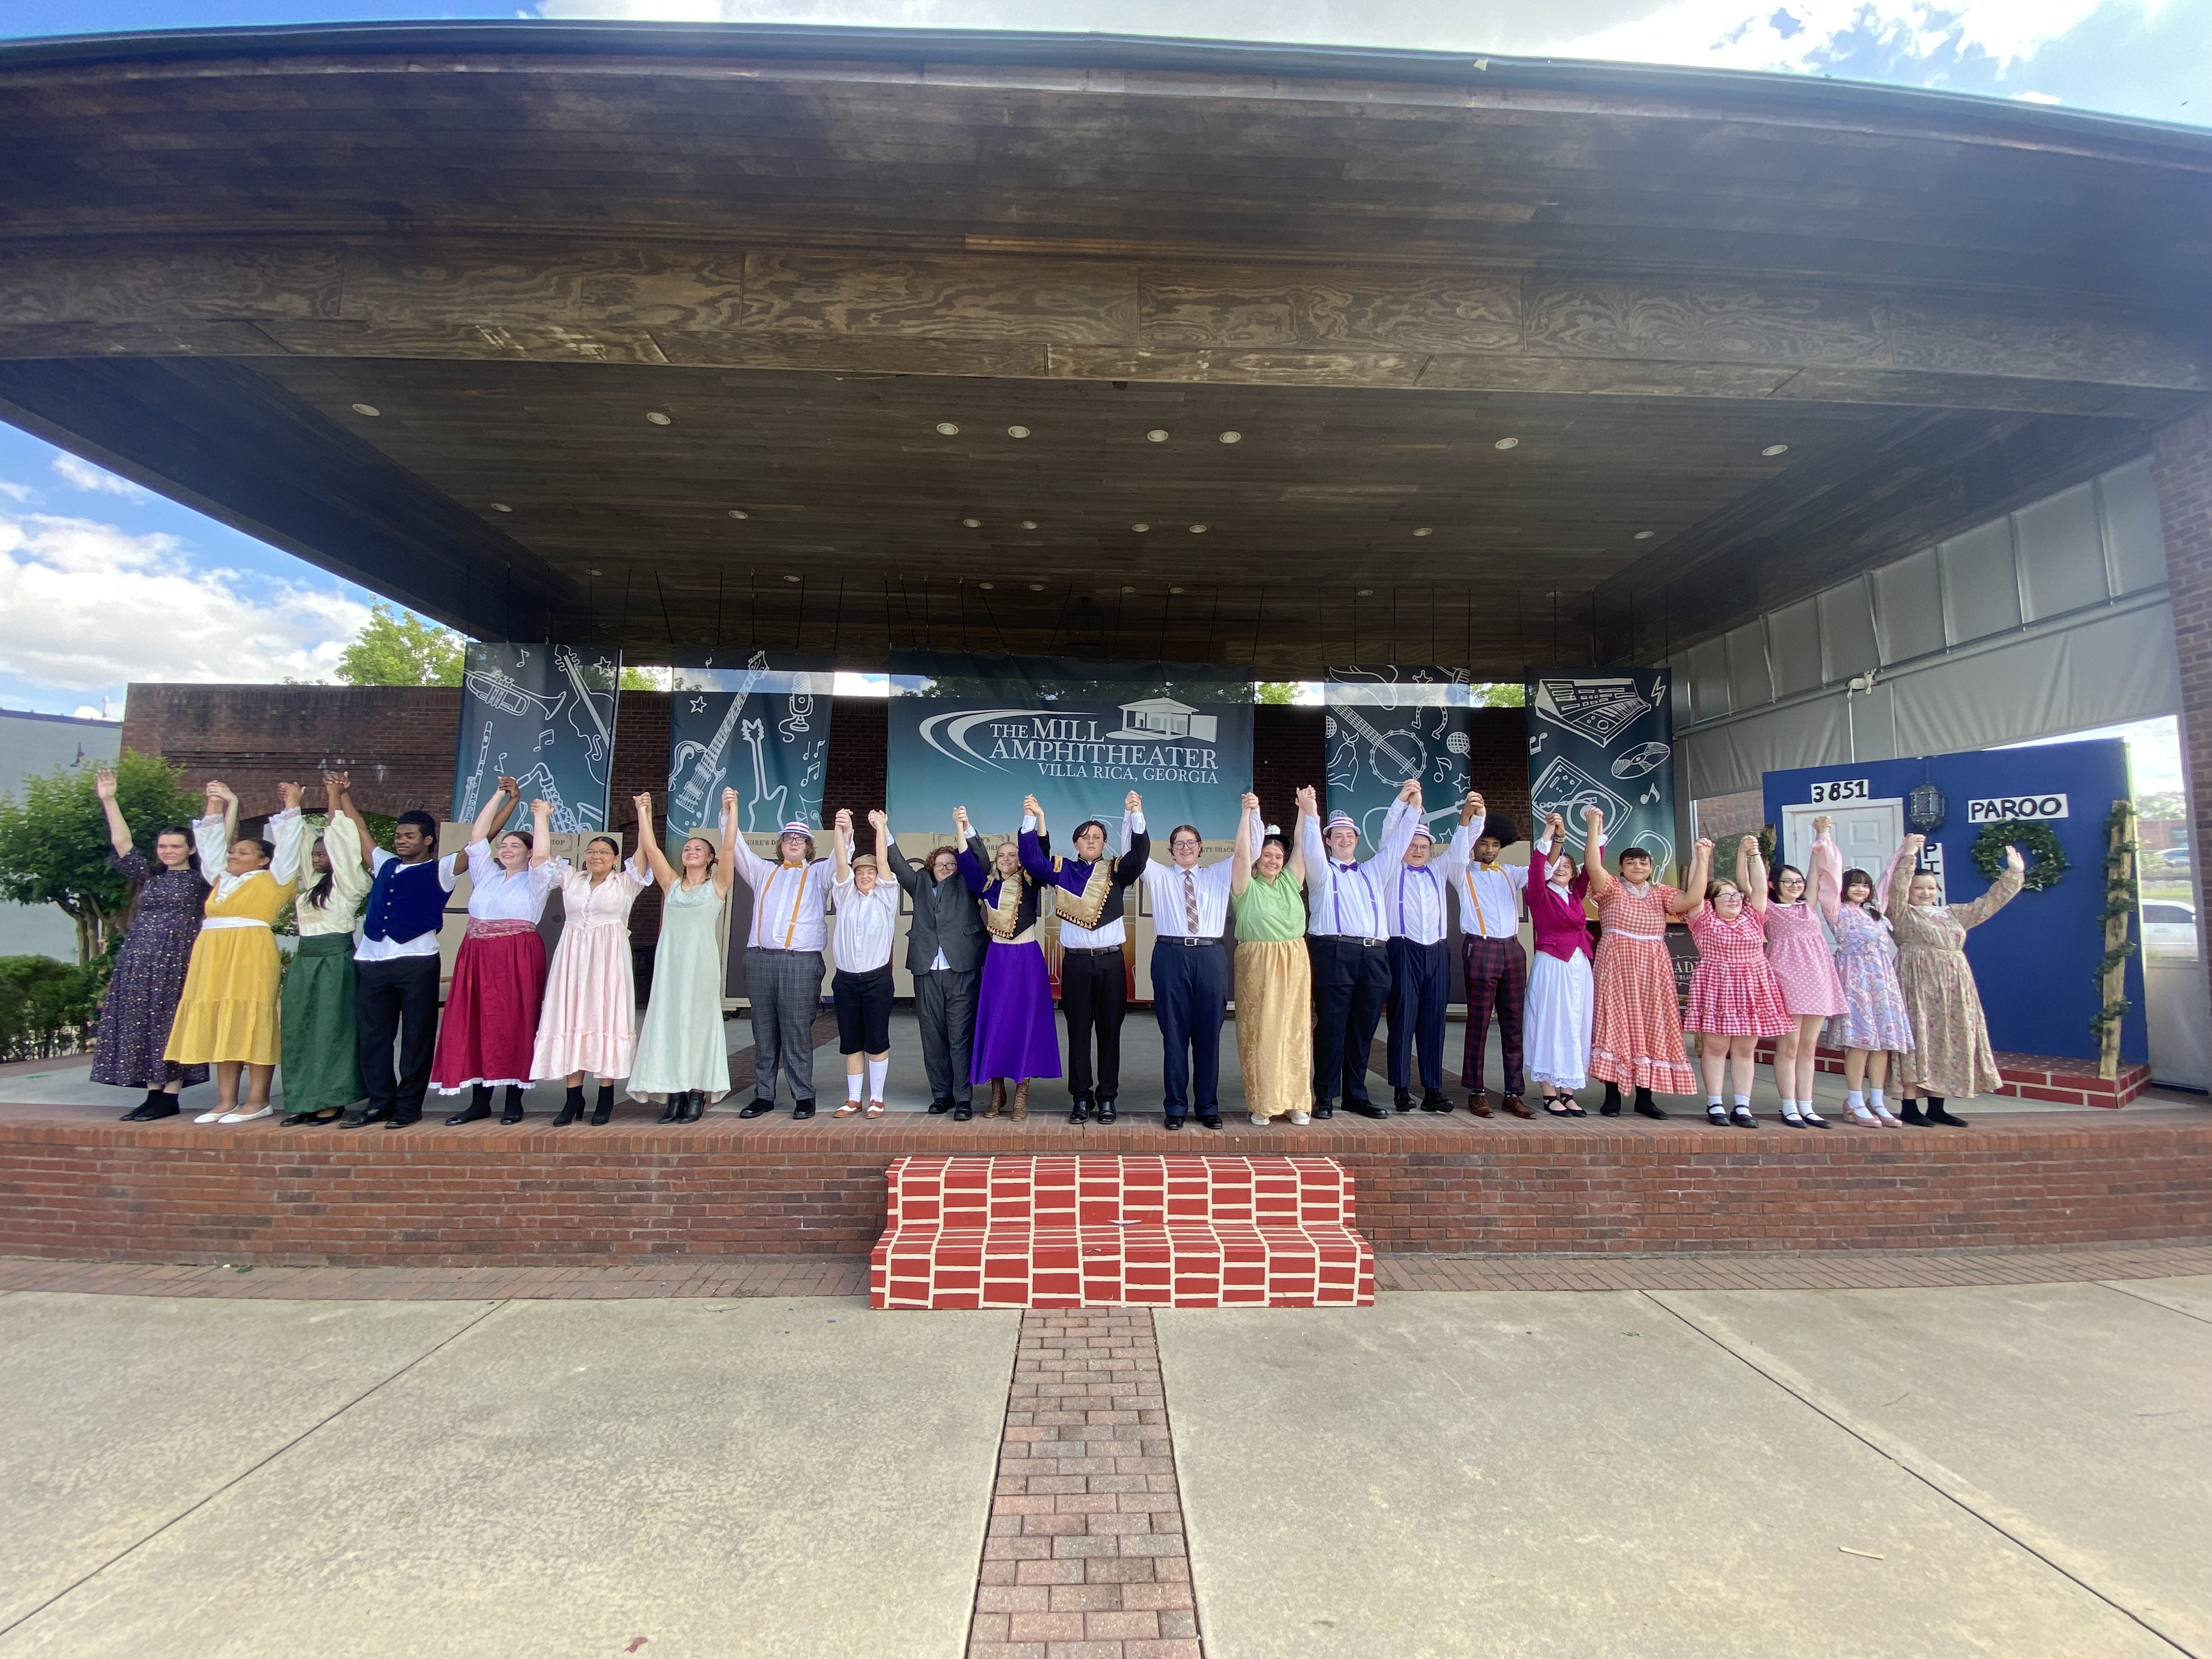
[1556,1023]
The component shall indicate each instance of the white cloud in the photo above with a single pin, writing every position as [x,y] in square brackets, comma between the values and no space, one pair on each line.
[16,492]
[91,606]
[80,474]
[2036,98]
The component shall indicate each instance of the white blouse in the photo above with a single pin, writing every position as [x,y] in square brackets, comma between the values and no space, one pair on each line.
[210,840]
[500,895]
[866,922]
[349,884]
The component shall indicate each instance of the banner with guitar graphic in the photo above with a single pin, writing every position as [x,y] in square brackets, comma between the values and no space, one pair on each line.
[982,731]
[1605,737]
[756,721]
[1388,724]
[544,714]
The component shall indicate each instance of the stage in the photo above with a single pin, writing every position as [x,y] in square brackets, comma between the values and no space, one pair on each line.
[76,1183]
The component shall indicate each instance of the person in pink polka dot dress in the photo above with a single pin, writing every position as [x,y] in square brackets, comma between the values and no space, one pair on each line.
[1804,964]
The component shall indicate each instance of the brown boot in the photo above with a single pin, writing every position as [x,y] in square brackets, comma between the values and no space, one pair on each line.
[1517,1106]
[1022,1101]
[998,1098]
[1478,1103]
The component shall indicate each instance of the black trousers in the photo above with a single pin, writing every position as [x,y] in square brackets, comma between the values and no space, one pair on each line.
[1421,987]
[945,1006]
[864,1010]
[1352,982]
[1094,995]
[396,999]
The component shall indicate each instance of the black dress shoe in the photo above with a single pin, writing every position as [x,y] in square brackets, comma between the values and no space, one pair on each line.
[1079,1110]
[964,1111]
[1106,1109]
[1942,1115]
[146,1111]
[366,1116]
[938,1108]
[1209,1119]
[475,1112]
[756,1108]
[803,1110]
[606,1108]
[299,1121]
[1611,1107]
[1909,1112]
[1435,1100]
[407,1122]
[1402,1099]
[572,1108]
[673,1112]
[1175,1123]
[1365,1108]
[694,1106]
[1324,1110]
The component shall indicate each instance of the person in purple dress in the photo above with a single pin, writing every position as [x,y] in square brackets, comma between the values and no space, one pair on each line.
[1015,1036]
[148,979]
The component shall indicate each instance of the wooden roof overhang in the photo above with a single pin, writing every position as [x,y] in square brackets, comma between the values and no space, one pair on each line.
[806,251]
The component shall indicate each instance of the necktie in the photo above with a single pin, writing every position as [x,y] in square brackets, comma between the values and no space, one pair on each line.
[1189,904]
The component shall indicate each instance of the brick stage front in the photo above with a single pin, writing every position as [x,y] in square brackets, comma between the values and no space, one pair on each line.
[74,1183]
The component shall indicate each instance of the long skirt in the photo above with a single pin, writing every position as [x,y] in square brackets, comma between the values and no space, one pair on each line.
[230,1007]
[1636,1039]
[319,1071]
[1951,1054]
[682,1046]
[1556,1025]
[490,1024]
[141,1006]
[1874,1014]
[1016,1035]
[589,1022]
[1274,1024]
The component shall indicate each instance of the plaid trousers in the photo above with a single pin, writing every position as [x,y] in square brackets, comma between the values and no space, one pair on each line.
[1497,977]
[785,988]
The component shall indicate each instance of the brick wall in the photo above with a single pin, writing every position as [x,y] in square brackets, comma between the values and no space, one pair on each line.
[117,1192]
[2181,468]
[1290,749]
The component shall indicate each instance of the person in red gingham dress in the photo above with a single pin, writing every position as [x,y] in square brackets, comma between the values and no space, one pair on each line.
[1637,1036]
[1734,998]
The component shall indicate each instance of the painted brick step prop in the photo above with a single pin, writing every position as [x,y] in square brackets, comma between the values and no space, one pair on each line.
[2026,1077]
[1106,1232]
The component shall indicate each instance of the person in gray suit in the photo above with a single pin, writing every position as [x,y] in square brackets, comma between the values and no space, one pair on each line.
[944,946]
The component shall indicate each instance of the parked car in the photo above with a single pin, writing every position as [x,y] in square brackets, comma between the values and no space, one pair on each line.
[2169,932]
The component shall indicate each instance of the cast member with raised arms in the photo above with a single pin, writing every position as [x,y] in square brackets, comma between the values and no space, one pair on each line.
[681,1055]
[168,900]
[1348,932]
[1558,1006]
[1735,1000]
[1497,969]
[1420,973]
[395,965]
[1189,908]
[1274,971]
[588,1025]
[490,1028]
[1636,1039]
[1874,1023]
[784,944]
[1950,1055]
[945,945]
[320,1069]
[1805,968]
[1088,895]
[1014,1029]
[867,917]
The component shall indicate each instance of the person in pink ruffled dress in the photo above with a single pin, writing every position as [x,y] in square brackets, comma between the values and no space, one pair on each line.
[1733,999]
[1805,968]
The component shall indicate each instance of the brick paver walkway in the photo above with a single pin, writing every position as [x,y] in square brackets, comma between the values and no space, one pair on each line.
[1084,1556]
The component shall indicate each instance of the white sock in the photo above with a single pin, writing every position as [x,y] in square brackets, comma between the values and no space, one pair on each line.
[1712,1100]
[1857,1102]
[878,1071]
[851,1085]
[1740,1100]
[1877,1100]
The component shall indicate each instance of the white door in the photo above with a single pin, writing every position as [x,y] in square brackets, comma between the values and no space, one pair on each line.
[1867,833]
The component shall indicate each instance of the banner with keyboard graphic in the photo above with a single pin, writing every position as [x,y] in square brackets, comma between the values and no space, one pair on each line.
[1605,737]
[1387,724]
[544,714]
[755,721]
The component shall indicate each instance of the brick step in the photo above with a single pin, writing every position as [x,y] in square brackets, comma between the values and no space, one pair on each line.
[2026,1077]
[1115,1232]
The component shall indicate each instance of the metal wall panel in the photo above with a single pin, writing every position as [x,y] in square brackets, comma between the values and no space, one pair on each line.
[2062,552]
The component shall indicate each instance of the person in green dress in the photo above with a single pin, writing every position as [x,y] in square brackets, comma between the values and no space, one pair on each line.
[1275,974]
[321,1077]
[682,1053]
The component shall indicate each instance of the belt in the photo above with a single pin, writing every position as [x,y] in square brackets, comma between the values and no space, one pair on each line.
[499,927]
[1091,951]
[211,923]
[1187,944]
[779,951]
[1352,939]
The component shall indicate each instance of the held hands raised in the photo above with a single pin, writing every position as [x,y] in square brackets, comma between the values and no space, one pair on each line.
[290,794]
[1309,802]
[1914,843]
[960,821]
[642,802]
[843,823]
[336,784]
[1747,847]
[729,803]
[879,821]
[1555,827]
[1249,803]
[219,795]
[511,787]
[1030,806]
[1594,819]
[1410,792]
[1472,808]
[103,784]
[1134,803]
[1822,824]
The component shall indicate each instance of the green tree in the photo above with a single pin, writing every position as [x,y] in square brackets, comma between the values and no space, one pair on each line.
[53,840]
[634,678]
[398,647]
[1276,691]
[1498,694]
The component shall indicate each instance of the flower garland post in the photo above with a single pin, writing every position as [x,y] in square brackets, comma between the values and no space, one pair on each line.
[2119,909]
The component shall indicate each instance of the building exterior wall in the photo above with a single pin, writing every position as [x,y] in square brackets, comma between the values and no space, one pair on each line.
[32,743]
[2181,469]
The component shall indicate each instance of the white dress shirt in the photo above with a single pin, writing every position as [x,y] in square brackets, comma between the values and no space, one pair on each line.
[1489,894]
[866,922]
[1166,893]
[787,902]
[1353,900]
[1073,938]
[496,894]
[211,839]
[1416,898]
[423,945]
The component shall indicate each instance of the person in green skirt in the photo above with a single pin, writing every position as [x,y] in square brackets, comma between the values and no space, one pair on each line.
[681,1055]
[320,1077]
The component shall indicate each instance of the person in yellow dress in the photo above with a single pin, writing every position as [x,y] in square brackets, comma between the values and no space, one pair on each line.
[227,1016]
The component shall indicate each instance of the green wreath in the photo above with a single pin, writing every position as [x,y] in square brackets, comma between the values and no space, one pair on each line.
[2037,843]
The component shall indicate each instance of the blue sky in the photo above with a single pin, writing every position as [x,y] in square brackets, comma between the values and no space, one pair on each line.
[177,597]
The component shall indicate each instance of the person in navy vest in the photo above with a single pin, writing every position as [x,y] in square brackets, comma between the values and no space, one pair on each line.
[395,971]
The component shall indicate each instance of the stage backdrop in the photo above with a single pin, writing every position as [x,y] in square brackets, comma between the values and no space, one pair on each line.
[757,721]
[982,731]
[544,714]
[1605,737]
[1388,724]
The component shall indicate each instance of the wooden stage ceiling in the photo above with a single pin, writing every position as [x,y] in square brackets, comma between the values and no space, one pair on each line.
[667,337]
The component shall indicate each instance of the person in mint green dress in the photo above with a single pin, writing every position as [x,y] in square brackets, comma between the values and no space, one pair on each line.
[682,1053]
[1275,974]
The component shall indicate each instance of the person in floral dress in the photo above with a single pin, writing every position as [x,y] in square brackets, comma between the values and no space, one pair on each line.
[1873,1023]
[1637,1036]
[1805,968]
[1951,1053]
[1735,1000]
[148,978]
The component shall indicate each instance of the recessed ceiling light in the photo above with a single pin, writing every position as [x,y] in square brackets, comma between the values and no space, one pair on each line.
[1507,443]
[1128,590]
[946,428]
[1175,590]
[1232,437]
[1198,529]
[791,579]
[1140,528]
[987,585]
[1366,593]
[1017,432]
[501,507]
[973,524]
[1645,534]
[1159,434]
[1036,587]
[1029,524]
[1775,449]
[588,571]
[738,512]
[656,417]
[1425,530]
[367,409]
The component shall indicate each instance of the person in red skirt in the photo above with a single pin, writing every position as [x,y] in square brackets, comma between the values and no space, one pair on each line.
[1735,999]
[1637,1038]
[499,977]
